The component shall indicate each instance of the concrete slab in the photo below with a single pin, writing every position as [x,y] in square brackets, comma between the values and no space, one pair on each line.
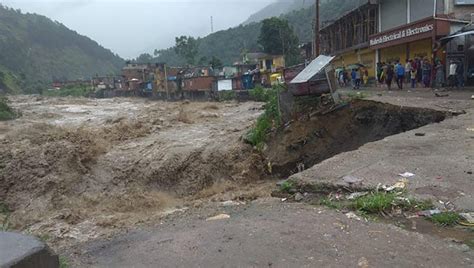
[440,155]
[21,251]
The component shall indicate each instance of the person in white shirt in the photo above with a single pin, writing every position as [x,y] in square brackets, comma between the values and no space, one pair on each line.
[452,74]
[408,67]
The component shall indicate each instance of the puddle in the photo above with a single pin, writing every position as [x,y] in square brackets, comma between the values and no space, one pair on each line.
[456,234]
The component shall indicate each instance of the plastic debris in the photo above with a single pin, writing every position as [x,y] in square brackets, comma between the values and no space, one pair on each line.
[353,216]
[469,217]
[299,197]
[219,217]
[401,185]
[351,180]
[231,203]
[407,175]
[356,195]
[429,213]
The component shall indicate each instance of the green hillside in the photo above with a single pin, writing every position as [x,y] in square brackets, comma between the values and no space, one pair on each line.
[35,50]
[228,45]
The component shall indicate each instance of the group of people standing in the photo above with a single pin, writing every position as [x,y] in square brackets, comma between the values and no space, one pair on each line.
[419,71]
[358,76]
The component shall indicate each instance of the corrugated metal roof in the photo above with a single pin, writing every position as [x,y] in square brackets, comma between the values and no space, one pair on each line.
[312,69]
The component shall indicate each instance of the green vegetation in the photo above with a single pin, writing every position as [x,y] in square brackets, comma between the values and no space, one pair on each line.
[4,217]
[277,37]
[187,48]
[74,91]
[227,95]
[271,118]
[259,94]
[330,203]
[446,218]
[6,113]
[63,262]
[35,50]
[229,45]
[286,186]
[357,96]
[378,203]
[375,202]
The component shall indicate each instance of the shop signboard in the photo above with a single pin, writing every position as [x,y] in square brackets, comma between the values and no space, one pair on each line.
[404,34]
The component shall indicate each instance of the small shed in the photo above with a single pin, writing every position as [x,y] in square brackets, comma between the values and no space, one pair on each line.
[317,78]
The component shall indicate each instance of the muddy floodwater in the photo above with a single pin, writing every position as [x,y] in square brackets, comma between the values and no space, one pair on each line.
[74,169]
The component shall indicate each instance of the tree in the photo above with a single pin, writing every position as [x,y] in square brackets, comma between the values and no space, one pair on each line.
[215,63]
[187,47]
[278,38]
[144,58]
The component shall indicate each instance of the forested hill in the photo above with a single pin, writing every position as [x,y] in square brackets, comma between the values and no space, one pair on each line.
[228,45]
[34,50]
[278,8]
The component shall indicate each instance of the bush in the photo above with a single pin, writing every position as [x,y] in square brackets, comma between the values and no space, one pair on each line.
[259,94]
[269,119]
[6,112]
[227,95]
[74,91]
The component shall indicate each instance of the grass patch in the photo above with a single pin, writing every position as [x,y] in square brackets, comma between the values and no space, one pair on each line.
[331,203]
[6,112]
[378,203]
[286,186]
[4,217]
[375,202]
[269,119]
[446,219]
[63,262]
[74,91]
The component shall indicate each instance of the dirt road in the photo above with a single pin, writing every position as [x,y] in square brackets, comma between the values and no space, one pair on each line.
[269,233]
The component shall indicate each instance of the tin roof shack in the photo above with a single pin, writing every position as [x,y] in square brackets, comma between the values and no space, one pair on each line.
[316,79]
[135,75]
[106,82]
[198,88]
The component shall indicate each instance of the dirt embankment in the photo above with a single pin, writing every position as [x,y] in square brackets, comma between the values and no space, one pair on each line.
[73,169]
[313,139]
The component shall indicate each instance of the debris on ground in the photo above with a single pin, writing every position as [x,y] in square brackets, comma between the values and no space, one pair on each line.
[399,186]
[469,217]
[219,217]
[351,180]
[353,216]
[420,134]
[354,196]
[407,175]
[429,213]
[231,203]
[299,197]
[441,95]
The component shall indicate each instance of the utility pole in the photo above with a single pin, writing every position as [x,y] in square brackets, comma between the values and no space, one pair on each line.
[212,24]
[317,40]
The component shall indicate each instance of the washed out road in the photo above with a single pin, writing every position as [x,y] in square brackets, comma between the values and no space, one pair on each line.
[269,233]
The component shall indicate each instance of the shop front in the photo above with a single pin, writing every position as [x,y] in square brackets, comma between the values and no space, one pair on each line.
[363,57]
[414,40]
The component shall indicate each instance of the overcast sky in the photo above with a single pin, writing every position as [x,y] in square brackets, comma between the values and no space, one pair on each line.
[131,27]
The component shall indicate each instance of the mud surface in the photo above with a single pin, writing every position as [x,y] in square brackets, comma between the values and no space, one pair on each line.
[76,169]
